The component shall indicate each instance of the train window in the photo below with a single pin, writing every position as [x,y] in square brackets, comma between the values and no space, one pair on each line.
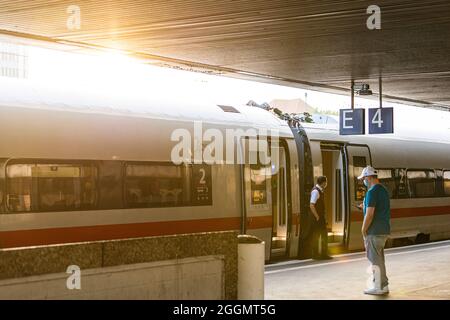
[111,185]
[258,184]
[19,187]
[387,178]
[156,185]
[446,178]
[421,183]
[439,183]
[50,187]
[66,187]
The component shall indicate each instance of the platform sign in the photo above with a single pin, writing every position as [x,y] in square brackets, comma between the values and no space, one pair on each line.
[381,120]
[351,121]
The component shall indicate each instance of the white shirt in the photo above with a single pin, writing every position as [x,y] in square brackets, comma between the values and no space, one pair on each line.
[315,195]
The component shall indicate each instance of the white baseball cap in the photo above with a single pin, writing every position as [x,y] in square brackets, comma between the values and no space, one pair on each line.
[367,172]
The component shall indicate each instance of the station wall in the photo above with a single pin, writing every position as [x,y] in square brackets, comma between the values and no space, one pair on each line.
[191,266]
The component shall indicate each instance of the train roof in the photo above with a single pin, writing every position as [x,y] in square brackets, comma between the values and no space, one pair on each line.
[390,151]
[26,94]
[93,112]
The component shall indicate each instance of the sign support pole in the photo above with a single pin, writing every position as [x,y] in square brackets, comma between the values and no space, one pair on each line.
[381,93]
[353,95]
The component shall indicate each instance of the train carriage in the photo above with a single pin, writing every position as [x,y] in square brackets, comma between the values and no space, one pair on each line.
[414,173]
[82,169]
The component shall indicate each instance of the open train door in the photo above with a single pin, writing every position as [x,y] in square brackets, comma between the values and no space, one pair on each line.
[267,200]
[281,201]
[357,156]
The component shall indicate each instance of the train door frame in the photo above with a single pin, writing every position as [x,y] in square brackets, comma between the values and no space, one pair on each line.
[333,166]
[254,216]
[248,210]
[294,198]
[288,200]
[305,184]
[347,186]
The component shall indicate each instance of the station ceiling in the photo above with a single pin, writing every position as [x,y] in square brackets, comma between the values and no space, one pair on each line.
[310,44]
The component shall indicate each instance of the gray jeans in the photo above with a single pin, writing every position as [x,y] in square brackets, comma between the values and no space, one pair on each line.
[375,253]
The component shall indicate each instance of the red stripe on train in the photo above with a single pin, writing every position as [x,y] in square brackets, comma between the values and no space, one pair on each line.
[36,237]
[409,212]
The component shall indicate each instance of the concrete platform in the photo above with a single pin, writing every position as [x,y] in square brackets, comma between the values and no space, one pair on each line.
[415,272]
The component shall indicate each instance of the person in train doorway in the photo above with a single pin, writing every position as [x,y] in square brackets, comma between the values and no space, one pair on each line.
[320,232]
[375,229]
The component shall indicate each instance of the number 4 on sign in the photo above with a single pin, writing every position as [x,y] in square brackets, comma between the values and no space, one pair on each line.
[377,118]
[381,120]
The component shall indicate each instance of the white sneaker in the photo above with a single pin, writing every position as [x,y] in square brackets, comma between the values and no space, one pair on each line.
[377,291]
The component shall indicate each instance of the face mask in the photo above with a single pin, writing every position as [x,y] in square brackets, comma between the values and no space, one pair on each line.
[366,183]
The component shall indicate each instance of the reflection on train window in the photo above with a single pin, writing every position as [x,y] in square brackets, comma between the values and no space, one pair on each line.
[50,187]
[156,185]
[387,178]
[359,163]
[421,183]
[447,183]
[439,183]
[258,184]
[19,187]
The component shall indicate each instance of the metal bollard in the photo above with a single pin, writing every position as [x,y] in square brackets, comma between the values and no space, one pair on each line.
[251,256]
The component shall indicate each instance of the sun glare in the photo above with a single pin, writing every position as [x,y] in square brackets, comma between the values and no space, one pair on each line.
[116,75]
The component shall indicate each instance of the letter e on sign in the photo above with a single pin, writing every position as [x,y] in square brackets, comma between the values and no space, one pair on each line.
[351,121]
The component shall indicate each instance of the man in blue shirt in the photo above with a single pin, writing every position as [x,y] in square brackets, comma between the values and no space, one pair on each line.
[376,228]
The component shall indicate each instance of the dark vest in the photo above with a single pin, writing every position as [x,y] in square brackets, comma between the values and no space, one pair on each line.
[320,204]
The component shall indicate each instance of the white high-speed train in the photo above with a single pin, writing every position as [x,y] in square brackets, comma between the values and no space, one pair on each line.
[78,168]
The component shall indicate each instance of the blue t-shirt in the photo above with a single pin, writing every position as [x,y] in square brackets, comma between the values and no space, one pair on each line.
[378,197]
